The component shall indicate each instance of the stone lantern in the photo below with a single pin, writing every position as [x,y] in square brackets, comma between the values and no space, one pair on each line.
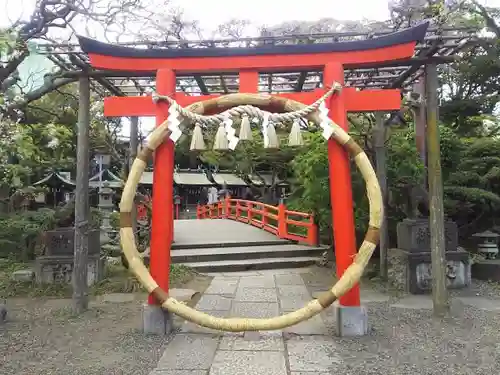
[105,193]
[488,245]
[106,207]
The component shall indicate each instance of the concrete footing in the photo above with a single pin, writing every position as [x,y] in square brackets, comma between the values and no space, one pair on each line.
[351,320]
[155,320]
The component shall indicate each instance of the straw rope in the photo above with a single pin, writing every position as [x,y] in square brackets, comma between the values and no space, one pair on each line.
[250,110]
[349,278]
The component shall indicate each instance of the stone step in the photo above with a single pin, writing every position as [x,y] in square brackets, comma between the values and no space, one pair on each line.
[240,253]
[252,264]
[228,243]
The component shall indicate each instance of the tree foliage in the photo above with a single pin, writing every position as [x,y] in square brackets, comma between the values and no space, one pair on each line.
[312,189]
[472,188]
[46,139]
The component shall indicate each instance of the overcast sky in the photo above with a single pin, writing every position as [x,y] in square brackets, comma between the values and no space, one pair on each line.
[213,13]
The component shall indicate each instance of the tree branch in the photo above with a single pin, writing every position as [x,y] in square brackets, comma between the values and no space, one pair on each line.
[488,19]
[36,94]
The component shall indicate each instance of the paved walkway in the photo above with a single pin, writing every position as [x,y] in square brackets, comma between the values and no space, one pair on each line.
[404,337]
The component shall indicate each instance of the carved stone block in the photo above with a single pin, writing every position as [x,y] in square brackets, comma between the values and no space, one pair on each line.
[59,269]
[488,269]
[415,235]
[411,272]
[61,241]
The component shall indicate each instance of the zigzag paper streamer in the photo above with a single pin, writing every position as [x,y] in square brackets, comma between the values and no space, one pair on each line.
[265,123]
[325,121]
[231,133]
[173,124]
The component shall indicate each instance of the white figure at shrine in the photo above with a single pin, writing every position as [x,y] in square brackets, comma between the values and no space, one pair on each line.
[213,195]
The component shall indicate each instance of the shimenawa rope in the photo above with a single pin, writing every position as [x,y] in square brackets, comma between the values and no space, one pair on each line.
[347,280]
[249,110]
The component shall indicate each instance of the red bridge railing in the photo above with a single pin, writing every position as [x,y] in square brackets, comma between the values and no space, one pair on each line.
[286,224]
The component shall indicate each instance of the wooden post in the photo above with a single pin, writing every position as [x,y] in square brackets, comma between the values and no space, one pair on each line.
[440,297]
[282,226]
[381,167]
[227,204]
[421,125]
[82,209]
[134,144]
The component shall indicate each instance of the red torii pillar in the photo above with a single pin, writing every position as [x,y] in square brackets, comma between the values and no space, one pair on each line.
[332,58]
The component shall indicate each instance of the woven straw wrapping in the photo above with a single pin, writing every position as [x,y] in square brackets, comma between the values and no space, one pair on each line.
[349,278]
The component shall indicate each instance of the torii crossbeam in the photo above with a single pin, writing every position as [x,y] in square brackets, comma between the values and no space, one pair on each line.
[332,58]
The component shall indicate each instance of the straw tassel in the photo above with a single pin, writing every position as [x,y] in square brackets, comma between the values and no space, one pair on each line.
[295,137]
[221,141]
[273,141]
[245,129]
[197,141]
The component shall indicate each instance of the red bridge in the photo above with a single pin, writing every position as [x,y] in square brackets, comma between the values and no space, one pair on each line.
[243,235]
[286,224]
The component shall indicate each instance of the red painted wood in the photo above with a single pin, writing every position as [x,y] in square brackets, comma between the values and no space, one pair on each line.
[356,101]
[249,81]
[117,106]
[234,208]
[163,196]
[340,186]
[267,62]
[372,100]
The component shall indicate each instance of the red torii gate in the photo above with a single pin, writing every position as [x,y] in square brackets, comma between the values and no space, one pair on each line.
[332,58]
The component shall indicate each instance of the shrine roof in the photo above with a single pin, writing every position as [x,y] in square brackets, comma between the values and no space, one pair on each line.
[268,179]
[413,34]
[191,178]
[229,179]
[438,45]
[105,175]
[107,178]
[55,179]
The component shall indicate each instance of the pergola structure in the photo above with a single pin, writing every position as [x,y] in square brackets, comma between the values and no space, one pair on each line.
[438,45]
[374,69]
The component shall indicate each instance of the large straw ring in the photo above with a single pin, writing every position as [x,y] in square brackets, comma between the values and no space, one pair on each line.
[348,279]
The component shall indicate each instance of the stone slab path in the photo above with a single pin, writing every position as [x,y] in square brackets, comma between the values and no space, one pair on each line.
[310,348]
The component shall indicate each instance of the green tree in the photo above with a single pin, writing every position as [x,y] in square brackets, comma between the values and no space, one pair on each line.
[311,192]
[251,158]
[46,139]
[472,198]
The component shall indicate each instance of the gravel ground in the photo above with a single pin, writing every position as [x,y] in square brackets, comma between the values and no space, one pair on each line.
[412,341]
[405,341]
[42,336]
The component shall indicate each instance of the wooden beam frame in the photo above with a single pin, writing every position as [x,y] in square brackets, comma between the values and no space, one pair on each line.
[356,101]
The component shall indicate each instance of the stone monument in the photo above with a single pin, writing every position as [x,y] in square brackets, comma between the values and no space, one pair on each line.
[56,264]
[410,264]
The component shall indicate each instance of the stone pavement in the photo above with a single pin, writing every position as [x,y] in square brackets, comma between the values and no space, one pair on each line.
[299,350]
[309,348]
